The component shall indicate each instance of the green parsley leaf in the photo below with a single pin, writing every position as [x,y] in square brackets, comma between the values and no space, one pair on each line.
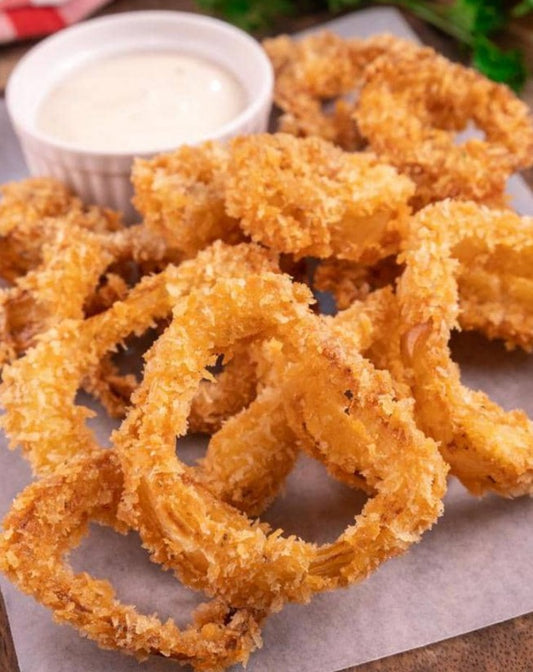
[249,14]
[501,66]
[523,8]
[340,5]
[478,18]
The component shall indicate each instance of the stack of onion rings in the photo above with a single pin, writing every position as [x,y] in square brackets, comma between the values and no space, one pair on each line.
[278,569]
[406,105]
[371,392]
[297,196]
[411,106]
[316,70]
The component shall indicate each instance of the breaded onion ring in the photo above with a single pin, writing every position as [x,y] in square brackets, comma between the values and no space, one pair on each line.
[79,259]
[486,447]
[349,281]
[62,244]
[211,545]
[495,286]
[74,259]
[316,70]
[49,518]
[25,207]
[308,198]
[412,103]
[181,197]
[72,349]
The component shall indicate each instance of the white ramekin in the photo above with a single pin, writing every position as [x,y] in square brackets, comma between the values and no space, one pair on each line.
[104,178]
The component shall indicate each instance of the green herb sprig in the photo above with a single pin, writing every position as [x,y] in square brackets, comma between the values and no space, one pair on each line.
[473,23]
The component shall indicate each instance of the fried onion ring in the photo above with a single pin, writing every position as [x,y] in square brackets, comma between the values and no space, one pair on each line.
[316,70]
[211,545]
[486,447]
[495,286]
[308,198]
[412,103]
[26,206]
[36,540]
[75,347]
[181,197]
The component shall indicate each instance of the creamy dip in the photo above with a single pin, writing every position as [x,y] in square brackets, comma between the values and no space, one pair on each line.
[140,102]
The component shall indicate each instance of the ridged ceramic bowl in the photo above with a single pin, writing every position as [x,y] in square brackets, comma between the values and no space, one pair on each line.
[104,178]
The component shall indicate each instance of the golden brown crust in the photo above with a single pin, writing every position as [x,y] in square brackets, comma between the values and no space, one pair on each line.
[412,104]
[25,207]
[181,197]
[318,71]
[306,197]
[75,349]
[487,448]
[33,550]
[277,568]
[352,391]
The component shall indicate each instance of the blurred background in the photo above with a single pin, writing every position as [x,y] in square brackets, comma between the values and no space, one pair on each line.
[494,36]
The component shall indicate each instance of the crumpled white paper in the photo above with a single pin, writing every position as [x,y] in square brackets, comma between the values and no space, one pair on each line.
[473,569]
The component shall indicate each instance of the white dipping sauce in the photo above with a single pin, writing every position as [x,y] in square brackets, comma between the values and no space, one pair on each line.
[141,102]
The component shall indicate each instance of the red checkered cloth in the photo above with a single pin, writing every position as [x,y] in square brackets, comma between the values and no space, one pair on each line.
[23,19]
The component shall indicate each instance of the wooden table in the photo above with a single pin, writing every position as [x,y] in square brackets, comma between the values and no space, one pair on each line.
[504,647]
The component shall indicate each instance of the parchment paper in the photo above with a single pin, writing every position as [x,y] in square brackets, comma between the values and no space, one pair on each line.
[473,569]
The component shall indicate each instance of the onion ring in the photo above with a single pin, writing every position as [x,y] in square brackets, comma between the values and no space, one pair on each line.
[79,249]
[412,103]
[317,70]
[49,518]
[277,568]
[486,447]
[26,206]
[308,198]
[74,259]
[74,348]
[181,197]
[495,287]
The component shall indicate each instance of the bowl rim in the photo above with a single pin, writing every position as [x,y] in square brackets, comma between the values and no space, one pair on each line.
[250,111]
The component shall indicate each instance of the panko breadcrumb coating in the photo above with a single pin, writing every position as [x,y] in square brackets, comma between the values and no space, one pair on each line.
[212,546]
[405,103]
[181,197]
[33,550]
[52,242]
[495,284]
[74,258]
[306,197]
[486,447]
[58,242]
[243,355]
[410,108]
[348,281]
[25,206]
[312,72]
[83,484]
[75,348]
